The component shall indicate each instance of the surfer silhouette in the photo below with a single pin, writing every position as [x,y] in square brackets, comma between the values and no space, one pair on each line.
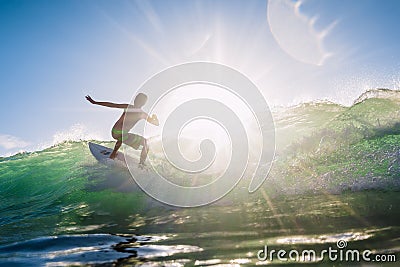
[131,115]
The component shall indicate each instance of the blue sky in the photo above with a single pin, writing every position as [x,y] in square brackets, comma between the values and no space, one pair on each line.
[53,53]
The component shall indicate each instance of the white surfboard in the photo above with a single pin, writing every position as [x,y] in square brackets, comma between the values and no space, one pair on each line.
[102,154]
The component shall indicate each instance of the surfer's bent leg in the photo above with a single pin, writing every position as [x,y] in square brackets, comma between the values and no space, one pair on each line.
[145,150]
[135,141]
[119,136]
[117,146]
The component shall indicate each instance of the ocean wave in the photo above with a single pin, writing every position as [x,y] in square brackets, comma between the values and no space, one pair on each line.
[320,148]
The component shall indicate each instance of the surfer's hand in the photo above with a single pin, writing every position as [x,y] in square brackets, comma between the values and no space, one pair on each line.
[88,98]
[154,119]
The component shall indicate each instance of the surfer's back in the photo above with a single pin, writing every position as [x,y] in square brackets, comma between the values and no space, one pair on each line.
[129,119]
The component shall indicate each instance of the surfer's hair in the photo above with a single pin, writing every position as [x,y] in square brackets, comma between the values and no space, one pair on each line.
[140,100]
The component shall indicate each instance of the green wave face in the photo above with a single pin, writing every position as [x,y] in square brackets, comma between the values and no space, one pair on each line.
[325,147]
[61,189]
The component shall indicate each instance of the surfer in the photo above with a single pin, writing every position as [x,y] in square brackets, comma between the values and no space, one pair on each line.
[131,115]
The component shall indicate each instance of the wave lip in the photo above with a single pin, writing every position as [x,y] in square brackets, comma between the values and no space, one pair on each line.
[382,93]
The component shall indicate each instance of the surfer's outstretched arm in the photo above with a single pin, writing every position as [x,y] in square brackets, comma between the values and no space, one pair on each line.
[108,104]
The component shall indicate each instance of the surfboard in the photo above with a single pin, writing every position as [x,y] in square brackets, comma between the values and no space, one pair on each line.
[102,154]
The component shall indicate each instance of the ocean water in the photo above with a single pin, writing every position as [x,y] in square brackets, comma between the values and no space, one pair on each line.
[60,207]
[334,184]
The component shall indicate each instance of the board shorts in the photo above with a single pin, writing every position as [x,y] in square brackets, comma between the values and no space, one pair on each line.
[130,139]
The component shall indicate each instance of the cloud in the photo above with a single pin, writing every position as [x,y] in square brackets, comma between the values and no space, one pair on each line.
[10,142]
[10,145]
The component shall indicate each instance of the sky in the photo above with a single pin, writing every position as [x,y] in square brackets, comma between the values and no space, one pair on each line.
[53,53]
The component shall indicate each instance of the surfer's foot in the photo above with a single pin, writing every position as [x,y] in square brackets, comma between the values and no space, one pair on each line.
[113,155]
[142,165]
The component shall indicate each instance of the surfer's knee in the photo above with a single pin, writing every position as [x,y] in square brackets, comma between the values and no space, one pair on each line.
[116,136]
